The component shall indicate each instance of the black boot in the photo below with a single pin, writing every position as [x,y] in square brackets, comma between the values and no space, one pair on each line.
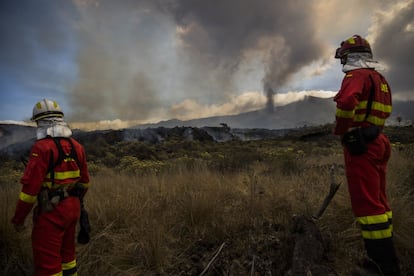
[382,252]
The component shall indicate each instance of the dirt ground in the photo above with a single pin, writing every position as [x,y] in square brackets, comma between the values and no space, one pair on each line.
[274,250]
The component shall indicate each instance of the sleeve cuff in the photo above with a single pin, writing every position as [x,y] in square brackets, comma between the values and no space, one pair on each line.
[22,210]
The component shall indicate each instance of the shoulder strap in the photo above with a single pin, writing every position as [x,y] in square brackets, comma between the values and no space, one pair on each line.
[61,155]
[73,152]
[52,168]
[370,97]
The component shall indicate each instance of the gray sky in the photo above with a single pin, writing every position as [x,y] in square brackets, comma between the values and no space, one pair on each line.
[148,60]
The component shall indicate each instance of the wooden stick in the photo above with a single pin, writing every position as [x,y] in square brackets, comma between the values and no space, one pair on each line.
[332,191]
[212,259]
[252,269]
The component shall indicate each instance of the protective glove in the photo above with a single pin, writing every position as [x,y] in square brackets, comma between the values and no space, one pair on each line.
[85,228]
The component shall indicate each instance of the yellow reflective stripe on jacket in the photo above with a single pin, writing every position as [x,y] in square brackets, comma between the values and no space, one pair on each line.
[381,107]
[375,106]
[375,120]
[58,274]
[375,227]
[372,119]
[65,175]
[84,185]
[27,198]
[362,105]
[345,113]
[47,185]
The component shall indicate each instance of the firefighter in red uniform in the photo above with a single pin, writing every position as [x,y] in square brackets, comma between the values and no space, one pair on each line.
[57,177]
[362,105]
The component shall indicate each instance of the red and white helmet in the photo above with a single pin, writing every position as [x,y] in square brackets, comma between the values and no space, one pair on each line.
[46,109]
[354,44]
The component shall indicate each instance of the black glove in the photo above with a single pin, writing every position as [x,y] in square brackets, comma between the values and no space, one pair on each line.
[85,227]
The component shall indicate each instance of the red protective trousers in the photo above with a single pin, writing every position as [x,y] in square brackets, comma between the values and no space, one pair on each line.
[53,238]
[366,175]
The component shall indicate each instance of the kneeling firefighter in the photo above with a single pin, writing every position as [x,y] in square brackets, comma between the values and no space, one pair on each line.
[57,177]
[362,105]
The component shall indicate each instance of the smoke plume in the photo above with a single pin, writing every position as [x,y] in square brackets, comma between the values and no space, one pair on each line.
[280,32]
[146,59]
[393,43]
[119,61]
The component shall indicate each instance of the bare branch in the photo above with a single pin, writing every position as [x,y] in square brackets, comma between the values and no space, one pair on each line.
[332,191]
[212,260]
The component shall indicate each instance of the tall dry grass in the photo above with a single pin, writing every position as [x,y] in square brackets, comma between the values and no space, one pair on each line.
[153,224]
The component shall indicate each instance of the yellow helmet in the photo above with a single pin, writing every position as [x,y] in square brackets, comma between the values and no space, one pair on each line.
[46,109]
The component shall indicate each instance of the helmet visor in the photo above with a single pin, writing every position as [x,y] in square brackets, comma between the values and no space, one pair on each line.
[47,114]
[337,53]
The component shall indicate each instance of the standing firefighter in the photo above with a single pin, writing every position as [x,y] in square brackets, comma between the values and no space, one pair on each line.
[363,104]
[57,177]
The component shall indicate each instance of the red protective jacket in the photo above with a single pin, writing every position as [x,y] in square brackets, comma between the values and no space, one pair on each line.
[36,175]
[352,100]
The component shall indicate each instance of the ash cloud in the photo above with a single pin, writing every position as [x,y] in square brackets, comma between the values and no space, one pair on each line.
[121,74]
[393,44]
[143,59]
[117,61]
[282,32]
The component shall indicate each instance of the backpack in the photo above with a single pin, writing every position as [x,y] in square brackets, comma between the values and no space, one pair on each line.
[83,236]
[61,156]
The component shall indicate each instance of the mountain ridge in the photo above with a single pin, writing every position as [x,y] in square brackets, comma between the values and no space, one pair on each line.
[253,125]
[308,111]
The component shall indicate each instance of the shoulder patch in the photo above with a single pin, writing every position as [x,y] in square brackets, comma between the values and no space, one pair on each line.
[384,88]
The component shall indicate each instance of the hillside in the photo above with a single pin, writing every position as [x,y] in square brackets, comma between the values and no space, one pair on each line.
[12,133]
[308,114]
[310,111]
[202,207]
[15,140]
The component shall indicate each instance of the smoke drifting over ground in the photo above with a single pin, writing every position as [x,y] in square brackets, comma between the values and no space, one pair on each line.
[162,59]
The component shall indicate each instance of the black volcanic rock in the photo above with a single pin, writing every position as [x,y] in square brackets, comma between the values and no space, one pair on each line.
[12,133]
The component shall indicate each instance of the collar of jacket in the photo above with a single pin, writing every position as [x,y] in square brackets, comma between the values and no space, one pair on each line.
[358,61]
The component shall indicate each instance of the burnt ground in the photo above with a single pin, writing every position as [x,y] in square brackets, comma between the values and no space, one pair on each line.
[273,250]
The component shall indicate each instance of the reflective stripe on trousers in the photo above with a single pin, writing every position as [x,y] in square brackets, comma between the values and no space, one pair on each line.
[377,226]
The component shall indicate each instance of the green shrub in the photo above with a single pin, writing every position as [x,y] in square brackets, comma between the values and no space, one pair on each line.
[131,164]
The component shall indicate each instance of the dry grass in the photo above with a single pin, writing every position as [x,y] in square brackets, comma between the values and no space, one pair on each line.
[15,249]
[161,224]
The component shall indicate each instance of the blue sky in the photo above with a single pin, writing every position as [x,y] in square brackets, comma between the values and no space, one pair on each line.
[145,61]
